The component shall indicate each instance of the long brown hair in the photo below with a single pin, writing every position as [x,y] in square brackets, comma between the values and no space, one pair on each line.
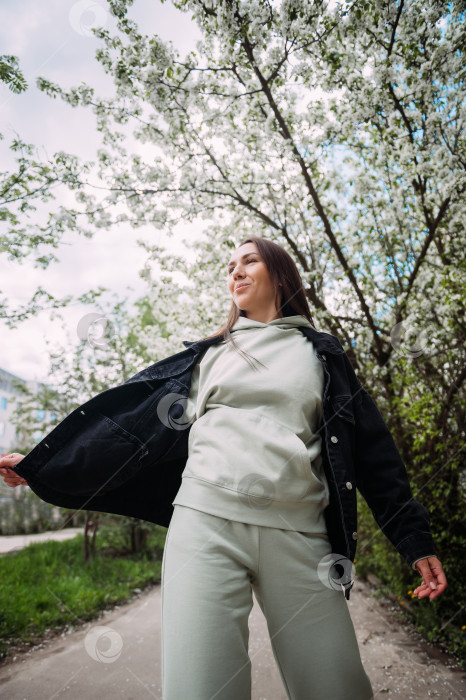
[282,268]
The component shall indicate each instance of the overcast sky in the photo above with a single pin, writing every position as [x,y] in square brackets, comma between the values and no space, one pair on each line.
[52,40]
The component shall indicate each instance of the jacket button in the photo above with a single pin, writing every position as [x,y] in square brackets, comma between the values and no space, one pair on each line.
[355,535]
[334,438]
[349,485]
[324,358]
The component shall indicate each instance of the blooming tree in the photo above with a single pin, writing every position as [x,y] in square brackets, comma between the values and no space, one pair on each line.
[335,128]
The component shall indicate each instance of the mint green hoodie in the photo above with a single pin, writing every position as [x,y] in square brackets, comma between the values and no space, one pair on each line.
[254,446]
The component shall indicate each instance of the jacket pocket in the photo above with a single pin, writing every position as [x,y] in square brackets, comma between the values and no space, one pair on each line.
[100,457]
[126,454]
[342,431]
[343,407]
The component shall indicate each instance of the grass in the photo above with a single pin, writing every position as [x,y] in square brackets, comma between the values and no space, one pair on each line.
[47,586]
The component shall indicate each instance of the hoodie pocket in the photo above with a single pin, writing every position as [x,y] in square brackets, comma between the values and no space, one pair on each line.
[248,453]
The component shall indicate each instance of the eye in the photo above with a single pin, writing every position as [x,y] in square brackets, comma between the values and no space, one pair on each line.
[247,261]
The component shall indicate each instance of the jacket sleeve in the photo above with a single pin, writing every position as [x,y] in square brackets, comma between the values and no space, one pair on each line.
[382,479]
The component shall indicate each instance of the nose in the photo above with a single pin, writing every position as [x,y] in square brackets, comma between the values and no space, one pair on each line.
[238,272]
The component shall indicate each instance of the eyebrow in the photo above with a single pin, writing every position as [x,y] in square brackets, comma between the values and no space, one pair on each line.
[246,255]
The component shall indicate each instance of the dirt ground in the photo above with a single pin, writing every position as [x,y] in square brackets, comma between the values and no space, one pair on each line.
[396,660]
[70,665]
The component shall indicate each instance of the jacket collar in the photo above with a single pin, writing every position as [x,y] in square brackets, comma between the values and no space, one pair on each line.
[323,342]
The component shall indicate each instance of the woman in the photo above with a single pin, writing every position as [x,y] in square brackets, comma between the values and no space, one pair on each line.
[252,511]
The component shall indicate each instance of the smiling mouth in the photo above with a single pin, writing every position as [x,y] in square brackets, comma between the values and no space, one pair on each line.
[241,286]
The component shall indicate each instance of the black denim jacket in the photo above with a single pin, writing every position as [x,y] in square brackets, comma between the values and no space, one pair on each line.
[124,451]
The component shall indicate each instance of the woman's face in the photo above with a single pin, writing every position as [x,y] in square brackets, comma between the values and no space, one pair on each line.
[256,294]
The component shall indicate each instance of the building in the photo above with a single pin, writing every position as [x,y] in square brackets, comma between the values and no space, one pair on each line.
[9,394]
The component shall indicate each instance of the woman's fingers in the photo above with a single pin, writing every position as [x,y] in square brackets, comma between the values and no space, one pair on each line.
[10,478]
[10,459]
[434,580]
[422,590]
[7,461]
[12,484]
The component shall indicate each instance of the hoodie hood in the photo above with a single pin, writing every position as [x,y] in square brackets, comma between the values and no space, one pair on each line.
[244,323]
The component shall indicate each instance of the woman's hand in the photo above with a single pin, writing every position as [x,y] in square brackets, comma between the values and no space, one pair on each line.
[434,580]
[6,462]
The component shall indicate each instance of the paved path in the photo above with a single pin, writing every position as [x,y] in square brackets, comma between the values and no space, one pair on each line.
[11,543]
[68,666]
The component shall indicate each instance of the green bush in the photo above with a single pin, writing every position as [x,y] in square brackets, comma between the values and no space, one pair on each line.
[441,620]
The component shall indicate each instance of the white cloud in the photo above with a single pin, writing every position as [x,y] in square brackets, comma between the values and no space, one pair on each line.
[50,45]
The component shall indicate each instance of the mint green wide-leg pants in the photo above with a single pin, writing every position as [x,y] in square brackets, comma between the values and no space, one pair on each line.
[210,568]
